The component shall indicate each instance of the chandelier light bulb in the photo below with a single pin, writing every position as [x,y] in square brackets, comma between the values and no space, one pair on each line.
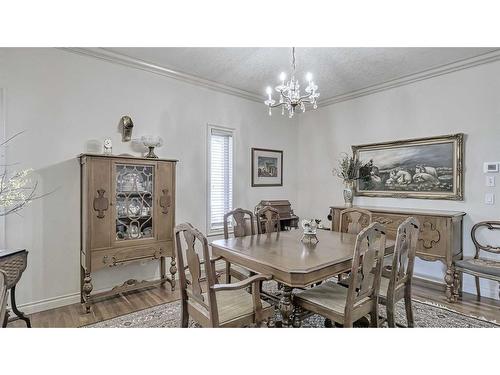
[282,77]
[269,90]
[309,77]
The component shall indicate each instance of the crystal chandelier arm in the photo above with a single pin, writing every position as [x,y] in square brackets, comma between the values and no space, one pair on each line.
[276,105]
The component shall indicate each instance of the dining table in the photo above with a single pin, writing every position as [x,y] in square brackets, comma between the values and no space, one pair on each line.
[290,261]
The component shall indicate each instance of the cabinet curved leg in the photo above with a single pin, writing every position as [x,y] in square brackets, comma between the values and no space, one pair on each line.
[87,289]
[173,271]
[449,280]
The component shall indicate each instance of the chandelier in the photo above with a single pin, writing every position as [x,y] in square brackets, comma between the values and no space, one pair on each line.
[289,93]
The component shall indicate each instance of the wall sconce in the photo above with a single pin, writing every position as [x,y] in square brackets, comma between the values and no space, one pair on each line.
[126,126]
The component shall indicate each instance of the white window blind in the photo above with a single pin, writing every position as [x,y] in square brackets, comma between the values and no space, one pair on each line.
[221,177]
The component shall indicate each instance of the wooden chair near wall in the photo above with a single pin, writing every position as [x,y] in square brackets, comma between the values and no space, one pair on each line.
[3,296]
[396,278]
[221,305]
[268,220]
[347,305]
[353,220]
[243,225]
[478,266]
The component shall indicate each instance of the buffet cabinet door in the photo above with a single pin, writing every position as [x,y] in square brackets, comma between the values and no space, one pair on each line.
[165,201]
[99,205]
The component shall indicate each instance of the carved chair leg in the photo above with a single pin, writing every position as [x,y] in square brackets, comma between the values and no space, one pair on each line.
[478,287]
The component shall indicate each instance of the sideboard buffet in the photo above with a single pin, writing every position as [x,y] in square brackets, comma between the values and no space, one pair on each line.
[127,216]
[440,236]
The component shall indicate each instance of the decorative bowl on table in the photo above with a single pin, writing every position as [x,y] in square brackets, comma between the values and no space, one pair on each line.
[309,226]
[151,141]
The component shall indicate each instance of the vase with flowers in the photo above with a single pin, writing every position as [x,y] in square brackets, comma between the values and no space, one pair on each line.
[348,170]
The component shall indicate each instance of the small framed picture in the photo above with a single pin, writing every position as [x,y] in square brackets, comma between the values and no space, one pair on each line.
[267,167]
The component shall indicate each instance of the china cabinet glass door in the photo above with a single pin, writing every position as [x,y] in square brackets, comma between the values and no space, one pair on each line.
[134,201]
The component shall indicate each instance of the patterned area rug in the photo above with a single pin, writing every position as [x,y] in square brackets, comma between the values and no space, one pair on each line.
[426,315]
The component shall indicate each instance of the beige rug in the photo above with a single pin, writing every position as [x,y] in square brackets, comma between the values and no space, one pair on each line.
[426,316]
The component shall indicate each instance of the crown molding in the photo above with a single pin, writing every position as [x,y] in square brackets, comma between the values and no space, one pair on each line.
[117,58]
[416,77]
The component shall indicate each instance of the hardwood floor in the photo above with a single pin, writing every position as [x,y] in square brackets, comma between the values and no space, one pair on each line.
[75,316]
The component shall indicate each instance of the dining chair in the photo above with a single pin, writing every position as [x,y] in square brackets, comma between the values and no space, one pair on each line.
[396,278]
[3,296]
[480,266]
[221,305]
[243,225]
[353,220]
[268,220]
[347,305]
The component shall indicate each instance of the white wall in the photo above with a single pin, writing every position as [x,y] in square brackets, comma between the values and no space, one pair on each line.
[466,101]
[64,101]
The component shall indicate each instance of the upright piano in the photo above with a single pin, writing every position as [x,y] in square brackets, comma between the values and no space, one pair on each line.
[288,219]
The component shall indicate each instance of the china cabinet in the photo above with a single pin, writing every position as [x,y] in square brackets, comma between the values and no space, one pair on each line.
[128,215]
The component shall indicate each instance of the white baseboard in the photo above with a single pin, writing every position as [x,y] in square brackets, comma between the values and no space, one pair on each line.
[49,303]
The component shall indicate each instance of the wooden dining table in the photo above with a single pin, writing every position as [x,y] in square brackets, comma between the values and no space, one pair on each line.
[291,262]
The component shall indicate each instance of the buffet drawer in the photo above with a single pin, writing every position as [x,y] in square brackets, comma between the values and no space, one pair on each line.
[115,257]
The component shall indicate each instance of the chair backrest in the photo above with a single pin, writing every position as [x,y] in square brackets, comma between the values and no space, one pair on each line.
[268,217]
[243,223]
[3,296]
[490,225]
[404,253]
[354,220]
[366,268]
[191,291]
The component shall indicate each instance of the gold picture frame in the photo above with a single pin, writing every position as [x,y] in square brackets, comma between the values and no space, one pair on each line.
[425,168]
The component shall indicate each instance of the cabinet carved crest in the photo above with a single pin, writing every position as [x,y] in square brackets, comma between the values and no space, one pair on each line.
[101,203]
[429,235]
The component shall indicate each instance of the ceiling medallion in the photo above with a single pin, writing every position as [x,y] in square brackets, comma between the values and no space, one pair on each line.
[290,96]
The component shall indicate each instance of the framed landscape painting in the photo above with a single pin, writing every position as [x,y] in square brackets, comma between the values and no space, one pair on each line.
[267,167]
[429,168]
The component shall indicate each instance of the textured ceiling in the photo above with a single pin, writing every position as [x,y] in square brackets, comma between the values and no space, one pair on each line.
[337,71]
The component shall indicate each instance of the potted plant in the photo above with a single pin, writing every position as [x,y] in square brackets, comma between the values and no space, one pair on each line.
[349,171]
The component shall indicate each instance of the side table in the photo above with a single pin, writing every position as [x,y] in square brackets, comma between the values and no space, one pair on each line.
[13,263]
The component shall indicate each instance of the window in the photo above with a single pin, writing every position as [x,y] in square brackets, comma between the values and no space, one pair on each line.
[220,176]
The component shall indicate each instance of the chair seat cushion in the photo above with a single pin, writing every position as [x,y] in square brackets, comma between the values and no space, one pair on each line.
[234,304]
[328,295]
[484,266]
